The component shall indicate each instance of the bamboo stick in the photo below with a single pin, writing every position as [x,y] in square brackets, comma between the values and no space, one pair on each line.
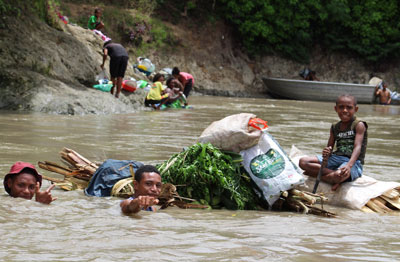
[382,206]
[367,209]
[371,204]
[311,200]
[53,169]
[84,159]
[394,203]
[391,194]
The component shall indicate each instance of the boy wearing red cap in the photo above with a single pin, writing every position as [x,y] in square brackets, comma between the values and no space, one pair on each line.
[24,181]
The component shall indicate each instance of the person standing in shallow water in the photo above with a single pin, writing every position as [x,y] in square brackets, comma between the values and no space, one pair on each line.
[118,64]
[24,181]
[351,138]
[383,94]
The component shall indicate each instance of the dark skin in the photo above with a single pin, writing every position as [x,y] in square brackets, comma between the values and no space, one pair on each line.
[147,191]
[345,108]
[25,185]
[383,95]
[116,81]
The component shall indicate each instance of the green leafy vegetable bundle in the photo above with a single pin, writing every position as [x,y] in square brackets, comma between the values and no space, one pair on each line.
[205,173]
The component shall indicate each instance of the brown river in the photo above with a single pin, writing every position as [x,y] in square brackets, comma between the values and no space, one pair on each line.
[80,228]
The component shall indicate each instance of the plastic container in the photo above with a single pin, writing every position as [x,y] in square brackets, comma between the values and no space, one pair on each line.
[129,85]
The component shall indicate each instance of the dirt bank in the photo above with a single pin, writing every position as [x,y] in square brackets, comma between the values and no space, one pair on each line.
[46,70]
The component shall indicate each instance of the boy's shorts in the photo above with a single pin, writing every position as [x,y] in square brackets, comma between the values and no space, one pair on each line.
[335,162]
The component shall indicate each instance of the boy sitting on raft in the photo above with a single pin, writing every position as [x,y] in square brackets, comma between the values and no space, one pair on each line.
[24,181]
[350,136]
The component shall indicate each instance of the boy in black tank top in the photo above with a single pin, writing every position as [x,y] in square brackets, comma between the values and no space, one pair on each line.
[345,164]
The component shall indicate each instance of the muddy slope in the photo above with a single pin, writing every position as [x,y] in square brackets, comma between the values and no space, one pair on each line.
[46,70]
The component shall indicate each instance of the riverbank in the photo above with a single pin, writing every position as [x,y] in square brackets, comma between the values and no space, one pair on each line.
[47,70]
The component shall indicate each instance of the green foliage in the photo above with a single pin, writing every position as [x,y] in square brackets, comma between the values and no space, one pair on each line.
[369,29]
[209,175]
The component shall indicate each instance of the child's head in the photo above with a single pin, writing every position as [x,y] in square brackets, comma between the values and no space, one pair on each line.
[21,180]
[175,71]
[170,82]
[97,12]
[158,77]
[346,107]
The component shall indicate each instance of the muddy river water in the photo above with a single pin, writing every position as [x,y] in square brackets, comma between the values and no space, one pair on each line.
[80,228]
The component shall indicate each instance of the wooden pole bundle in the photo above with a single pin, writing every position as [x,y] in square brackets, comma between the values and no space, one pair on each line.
[77,174]
[303,202]
[388,202]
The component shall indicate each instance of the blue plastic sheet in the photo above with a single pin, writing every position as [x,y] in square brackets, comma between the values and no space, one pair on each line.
[109,173]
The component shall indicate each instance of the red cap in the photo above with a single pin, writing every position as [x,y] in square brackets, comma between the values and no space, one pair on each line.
[17,168]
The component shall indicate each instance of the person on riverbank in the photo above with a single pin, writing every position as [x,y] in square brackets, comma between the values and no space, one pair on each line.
[383,94]
[157,95]
[186,80]
[350,136]
[118,64]
[24,181]
[95,20]
[147,185]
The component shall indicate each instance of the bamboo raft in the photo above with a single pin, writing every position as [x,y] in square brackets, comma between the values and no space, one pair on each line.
[78,170]
[388,202]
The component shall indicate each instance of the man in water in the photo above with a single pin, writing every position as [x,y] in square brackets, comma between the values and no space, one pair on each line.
[24,181]
[383,93]
[147,187]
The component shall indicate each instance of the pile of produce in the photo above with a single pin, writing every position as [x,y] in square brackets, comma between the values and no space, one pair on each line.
[217,178]
[211,177]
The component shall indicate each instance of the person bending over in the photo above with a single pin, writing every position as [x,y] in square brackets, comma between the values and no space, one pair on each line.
[118,63]
[147,185]
[24,181]
[350,136]
[186,80]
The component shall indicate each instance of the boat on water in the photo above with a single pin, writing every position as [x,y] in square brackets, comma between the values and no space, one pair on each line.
[318,90]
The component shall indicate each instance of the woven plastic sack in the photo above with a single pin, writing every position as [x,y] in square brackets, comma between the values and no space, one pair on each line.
[270,168]
[232,133]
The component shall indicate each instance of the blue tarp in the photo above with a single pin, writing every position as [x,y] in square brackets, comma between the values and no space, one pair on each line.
[108,174]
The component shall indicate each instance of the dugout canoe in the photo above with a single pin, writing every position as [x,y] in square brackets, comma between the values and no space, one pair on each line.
[318,90]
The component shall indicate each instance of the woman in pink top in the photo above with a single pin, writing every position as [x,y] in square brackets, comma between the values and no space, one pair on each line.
[186,79]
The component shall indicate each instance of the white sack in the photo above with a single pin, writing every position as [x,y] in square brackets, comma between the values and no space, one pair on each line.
[270,168]
[231,133]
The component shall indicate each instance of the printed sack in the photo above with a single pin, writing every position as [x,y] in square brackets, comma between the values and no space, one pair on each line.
[270,168]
